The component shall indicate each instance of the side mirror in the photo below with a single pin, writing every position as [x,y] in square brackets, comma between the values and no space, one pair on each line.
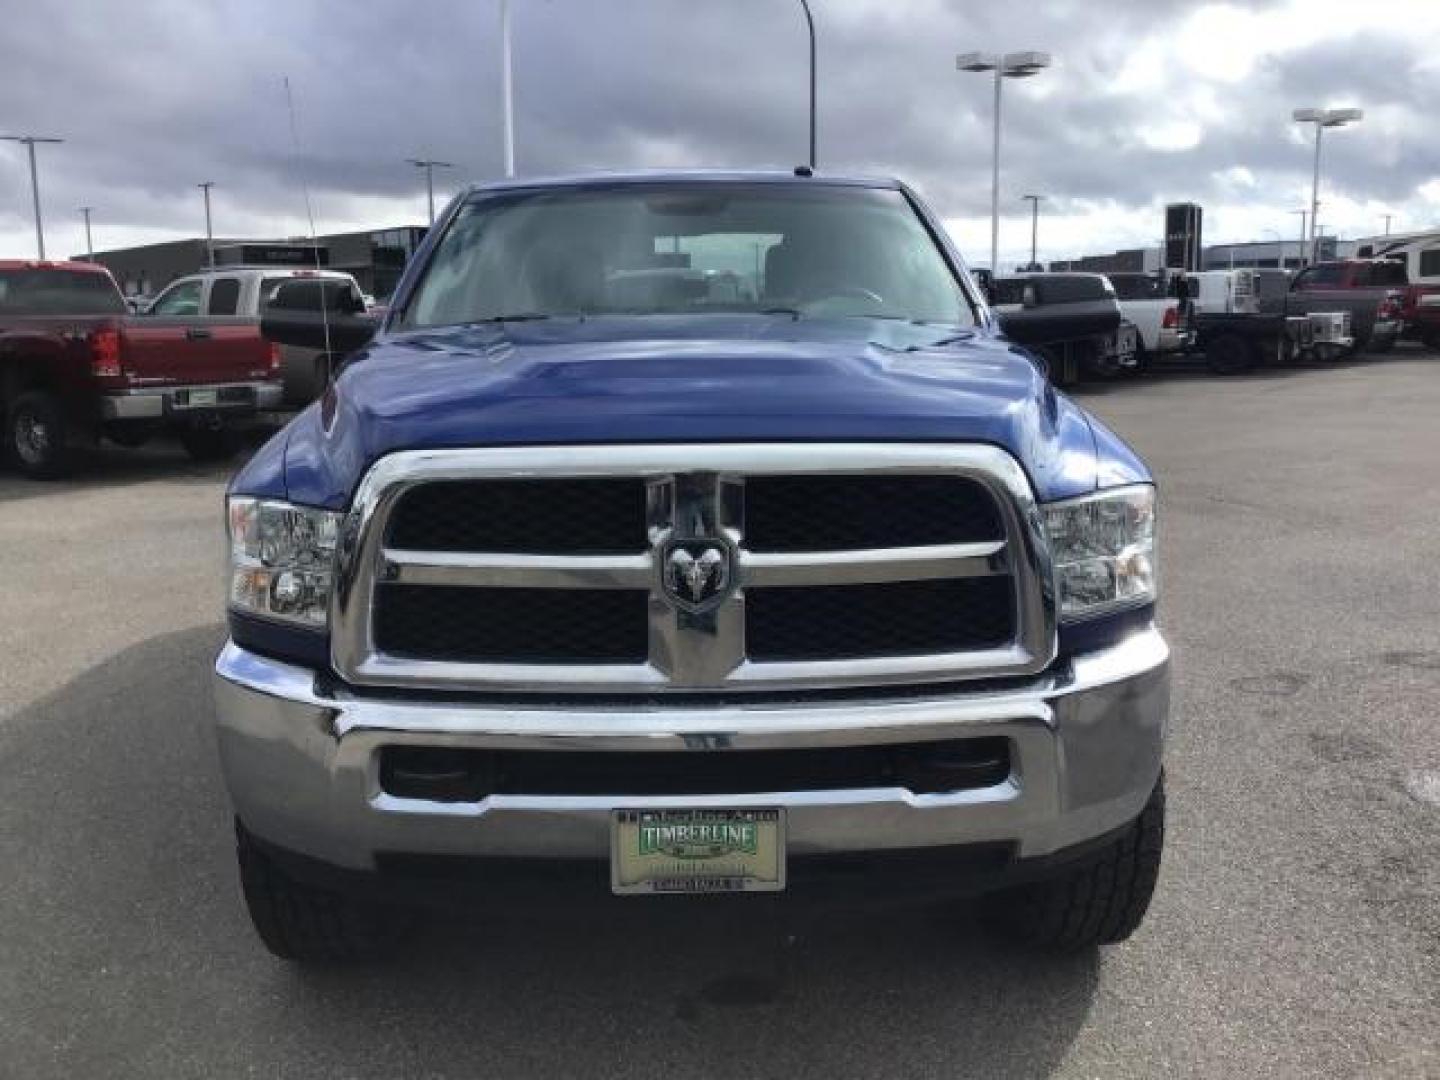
[310,313]
[311,330]
[1040,359]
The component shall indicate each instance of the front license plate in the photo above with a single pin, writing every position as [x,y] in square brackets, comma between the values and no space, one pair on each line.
[199,398]
[697,851]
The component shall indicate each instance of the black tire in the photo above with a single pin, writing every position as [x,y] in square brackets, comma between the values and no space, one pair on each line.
[36,435]
[1097,902]
[1381,344]
[208,443]
[1143,360]
[301,922]
[1229,354]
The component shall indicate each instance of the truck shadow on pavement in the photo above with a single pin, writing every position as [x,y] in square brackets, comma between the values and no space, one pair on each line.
[109,466]
[128,952]
[1193,369]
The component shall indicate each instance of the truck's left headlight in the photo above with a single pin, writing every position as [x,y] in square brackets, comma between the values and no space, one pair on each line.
[281,560]
[1103,550]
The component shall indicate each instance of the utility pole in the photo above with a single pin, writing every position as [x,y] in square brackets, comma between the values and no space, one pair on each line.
[1034,201]
[209,235]
[507,93]
[29,142]
[89,245]
[1387,223]
[810,23]
[1300,250]
[430,165]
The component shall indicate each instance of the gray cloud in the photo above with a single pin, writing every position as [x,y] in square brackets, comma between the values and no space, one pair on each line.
[154,97]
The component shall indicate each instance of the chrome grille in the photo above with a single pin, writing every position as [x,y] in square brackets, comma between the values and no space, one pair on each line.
[887,593]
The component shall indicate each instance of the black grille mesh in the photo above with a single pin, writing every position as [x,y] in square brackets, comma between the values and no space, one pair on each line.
[442,622]
[608,516]
[835,622]
[836,513]
[542,517]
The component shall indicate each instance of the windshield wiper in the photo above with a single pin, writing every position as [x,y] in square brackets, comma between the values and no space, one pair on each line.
[519,316]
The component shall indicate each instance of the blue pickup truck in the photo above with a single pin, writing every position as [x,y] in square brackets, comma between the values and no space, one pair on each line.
[690,533]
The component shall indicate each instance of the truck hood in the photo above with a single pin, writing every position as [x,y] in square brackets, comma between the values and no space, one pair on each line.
[714,378]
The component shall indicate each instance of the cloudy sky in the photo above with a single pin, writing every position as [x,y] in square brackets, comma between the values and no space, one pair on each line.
[1148,102]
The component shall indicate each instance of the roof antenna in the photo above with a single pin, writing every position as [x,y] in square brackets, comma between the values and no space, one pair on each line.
[309,214]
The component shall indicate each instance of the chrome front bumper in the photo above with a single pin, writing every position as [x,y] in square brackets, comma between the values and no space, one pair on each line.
[158,402]
[301,762]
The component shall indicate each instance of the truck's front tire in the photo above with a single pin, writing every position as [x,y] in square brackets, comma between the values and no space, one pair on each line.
[36,436]
[1096,902]
[303,922]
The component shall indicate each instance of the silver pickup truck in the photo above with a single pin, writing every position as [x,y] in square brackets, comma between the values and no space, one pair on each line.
[247,292]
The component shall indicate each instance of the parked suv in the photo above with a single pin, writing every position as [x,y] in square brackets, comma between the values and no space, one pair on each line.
[791,573]
[229,292]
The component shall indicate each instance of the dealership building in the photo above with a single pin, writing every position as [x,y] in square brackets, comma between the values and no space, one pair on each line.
[376,257]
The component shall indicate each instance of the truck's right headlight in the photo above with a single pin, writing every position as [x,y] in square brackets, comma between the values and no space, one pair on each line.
[282,560]
[1103,550]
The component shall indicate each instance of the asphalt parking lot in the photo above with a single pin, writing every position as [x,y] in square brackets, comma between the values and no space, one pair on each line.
[1296,932]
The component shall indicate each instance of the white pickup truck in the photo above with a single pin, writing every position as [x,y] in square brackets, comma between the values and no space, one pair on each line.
[1156,317]
[246,291]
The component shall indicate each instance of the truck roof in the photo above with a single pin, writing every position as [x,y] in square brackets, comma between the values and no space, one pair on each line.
[270,268]
[52,264]
[685,176]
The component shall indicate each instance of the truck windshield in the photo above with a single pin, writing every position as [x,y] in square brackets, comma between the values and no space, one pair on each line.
[48,291]
[685,249]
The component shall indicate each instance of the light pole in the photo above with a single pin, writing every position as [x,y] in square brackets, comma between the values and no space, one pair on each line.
[29,141]
[1034,201]
[1387,218]
[1300,250]
[430,165]
[1322,119]
[1279,247]
[205,186]
[810,23]
[89,245]
[507,93]
[1016,65]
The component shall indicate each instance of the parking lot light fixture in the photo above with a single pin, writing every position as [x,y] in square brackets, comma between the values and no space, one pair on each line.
[1300,251]
[29,142]
[1322,119]
[430,165]
[205,186]
[1034,201]
[89,244]
[1015,65]
[507,95]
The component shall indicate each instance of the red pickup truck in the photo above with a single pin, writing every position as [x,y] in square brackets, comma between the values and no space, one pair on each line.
[75,366]
[1401,309]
